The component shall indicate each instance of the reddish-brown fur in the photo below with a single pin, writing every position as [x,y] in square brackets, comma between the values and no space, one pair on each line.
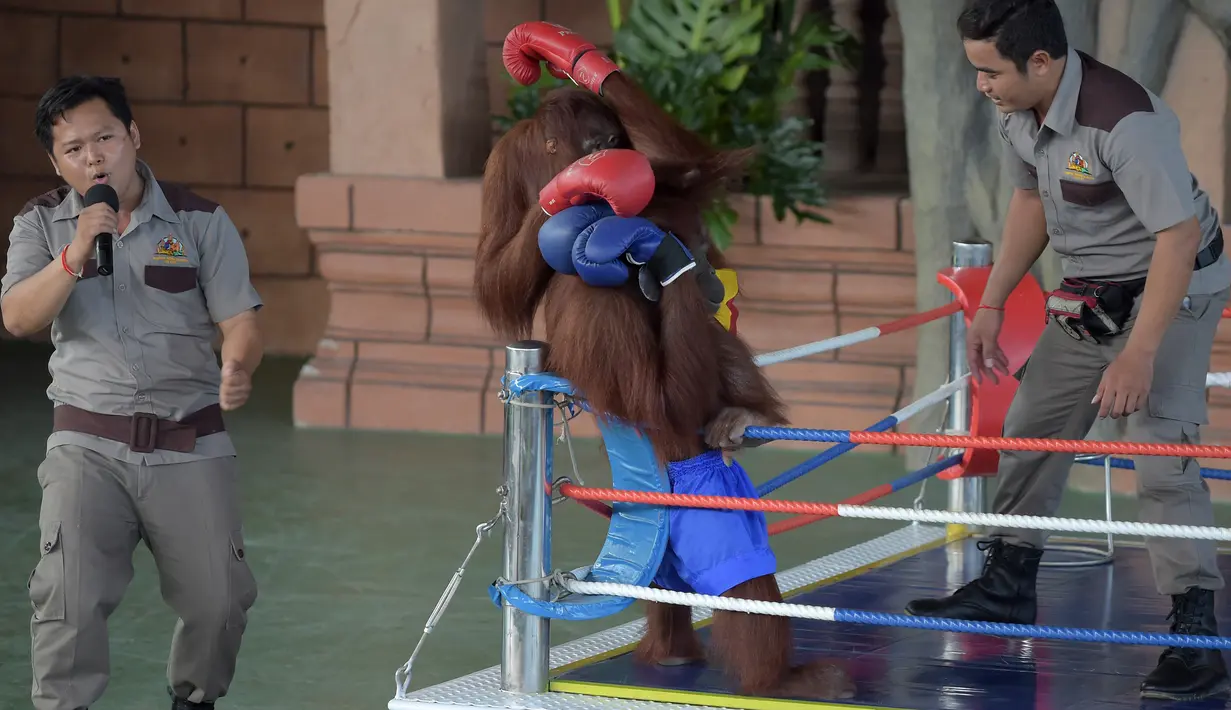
[669,366]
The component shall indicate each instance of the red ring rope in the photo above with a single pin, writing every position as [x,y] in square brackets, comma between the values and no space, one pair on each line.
[1124,448]
[918,319]
[694,501]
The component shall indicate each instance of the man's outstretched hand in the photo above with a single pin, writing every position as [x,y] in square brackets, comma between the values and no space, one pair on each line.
[236,386]
[983,353]
[1125,384]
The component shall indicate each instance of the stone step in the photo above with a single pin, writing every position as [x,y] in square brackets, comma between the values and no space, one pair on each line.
[876,222]
[406,349]
[452,389]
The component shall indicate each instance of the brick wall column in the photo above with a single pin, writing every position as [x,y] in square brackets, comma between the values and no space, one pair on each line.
[395,219]
[409,86]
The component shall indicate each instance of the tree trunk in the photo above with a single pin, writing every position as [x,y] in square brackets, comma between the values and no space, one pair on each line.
[948,142]
[1216,14]
[1151,36]
[958,190]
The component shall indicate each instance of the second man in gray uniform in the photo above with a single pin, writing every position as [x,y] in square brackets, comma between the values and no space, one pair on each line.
[1099,174]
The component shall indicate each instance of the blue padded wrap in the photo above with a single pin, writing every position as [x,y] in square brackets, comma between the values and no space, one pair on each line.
[637,535]
[544,382]
[712,551]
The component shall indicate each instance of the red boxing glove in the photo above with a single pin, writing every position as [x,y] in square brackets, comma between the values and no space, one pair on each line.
[568,55]
[621,177]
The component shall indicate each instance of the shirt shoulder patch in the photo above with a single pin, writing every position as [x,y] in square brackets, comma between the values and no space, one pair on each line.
[182,199]
[1107,96]
[48,200]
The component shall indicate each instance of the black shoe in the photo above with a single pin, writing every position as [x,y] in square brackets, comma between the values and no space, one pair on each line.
[1189,673]
[1005,592]
[181,704]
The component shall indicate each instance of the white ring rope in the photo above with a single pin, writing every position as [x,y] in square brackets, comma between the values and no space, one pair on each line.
[820,346]
[1218,379]
[1031,522]
[936,397]
[751,606]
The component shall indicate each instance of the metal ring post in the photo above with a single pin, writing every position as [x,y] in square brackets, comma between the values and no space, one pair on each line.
[527,476]
[967,494]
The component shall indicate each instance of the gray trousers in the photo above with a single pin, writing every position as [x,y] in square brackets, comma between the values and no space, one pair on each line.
[95,510]
[1054,401]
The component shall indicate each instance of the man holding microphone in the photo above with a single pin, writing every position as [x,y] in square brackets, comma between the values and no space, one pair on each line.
[138,449]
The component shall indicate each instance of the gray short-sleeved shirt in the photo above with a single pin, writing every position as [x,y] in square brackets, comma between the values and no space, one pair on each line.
[1109,168]
[140,340]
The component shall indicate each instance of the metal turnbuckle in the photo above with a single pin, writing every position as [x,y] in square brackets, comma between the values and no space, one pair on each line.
[403,675]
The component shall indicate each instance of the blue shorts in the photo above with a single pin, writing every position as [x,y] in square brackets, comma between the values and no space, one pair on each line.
[711,551]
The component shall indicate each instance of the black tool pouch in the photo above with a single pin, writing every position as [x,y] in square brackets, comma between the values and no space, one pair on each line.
[1093,309]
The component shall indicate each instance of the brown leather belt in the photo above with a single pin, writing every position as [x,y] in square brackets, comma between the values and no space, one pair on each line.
[143,432]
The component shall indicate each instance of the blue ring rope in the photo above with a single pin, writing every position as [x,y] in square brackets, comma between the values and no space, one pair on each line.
[813,463]
[926,472]
[1116,462]
[1134,638]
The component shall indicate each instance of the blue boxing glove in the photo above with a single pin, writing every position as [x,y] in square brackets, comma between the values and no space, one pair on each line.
[603,251]
[557,234]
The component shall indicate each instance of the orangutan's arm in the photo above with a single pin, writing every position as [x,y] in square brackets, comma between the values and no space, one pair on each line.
[652,130]
[747,398]
[510,277]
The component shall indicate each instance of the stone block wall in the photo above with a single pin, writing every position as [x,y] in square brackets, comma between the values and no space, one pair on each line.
[231,97]
[405,349]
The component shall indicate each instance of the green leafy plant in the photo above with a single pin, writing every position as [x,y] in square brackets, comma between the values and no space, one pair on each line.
[523,101]
[727,70]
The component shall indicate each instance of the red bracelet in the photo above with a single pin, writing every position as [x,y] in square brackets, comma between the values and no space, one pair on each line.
[990,308]
[64,261]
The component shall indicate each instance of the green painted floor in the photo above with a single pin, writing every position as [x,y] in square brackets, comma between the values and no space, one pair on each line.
[352,537]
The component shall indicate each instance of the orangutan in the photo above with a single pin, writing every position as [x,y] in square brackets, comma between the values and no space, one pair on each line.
[593,209]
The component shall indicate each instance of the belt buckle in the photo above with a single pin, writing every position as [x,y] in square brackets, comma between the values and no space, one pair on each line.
[143,433]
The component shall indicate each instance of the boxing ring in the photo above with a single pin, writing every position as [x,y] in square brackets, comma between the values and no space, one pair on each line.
[1092,646]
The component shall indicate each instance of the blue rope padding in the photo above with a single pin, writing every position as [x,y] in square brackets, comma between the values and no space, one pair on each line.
[783,433]
[1116,462]
[813,463]
[636,536]
[1135,638]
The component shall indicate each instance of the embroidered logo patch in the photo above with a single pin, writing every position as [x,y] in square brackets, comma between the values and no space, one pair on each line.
[170,250]
[1078,167]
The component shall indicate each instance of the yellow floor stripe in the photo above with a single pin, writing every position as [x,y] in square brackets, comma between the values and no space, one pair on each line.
[687,697]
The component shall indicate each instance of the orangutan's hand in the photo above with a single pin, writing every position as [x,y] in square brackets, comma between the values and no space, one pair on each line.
[726,431]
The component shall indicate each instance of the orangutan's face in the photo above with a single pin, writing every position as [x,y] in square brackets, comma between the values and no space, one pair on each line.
[577,123]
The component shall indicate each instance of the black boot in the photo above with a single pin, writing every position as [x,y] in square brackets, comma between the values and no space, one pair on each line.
[1005,592]
[1189,673]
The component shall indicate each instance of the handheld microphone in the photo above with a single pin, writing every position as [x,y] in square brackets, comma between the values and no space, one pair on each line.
[102,244]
